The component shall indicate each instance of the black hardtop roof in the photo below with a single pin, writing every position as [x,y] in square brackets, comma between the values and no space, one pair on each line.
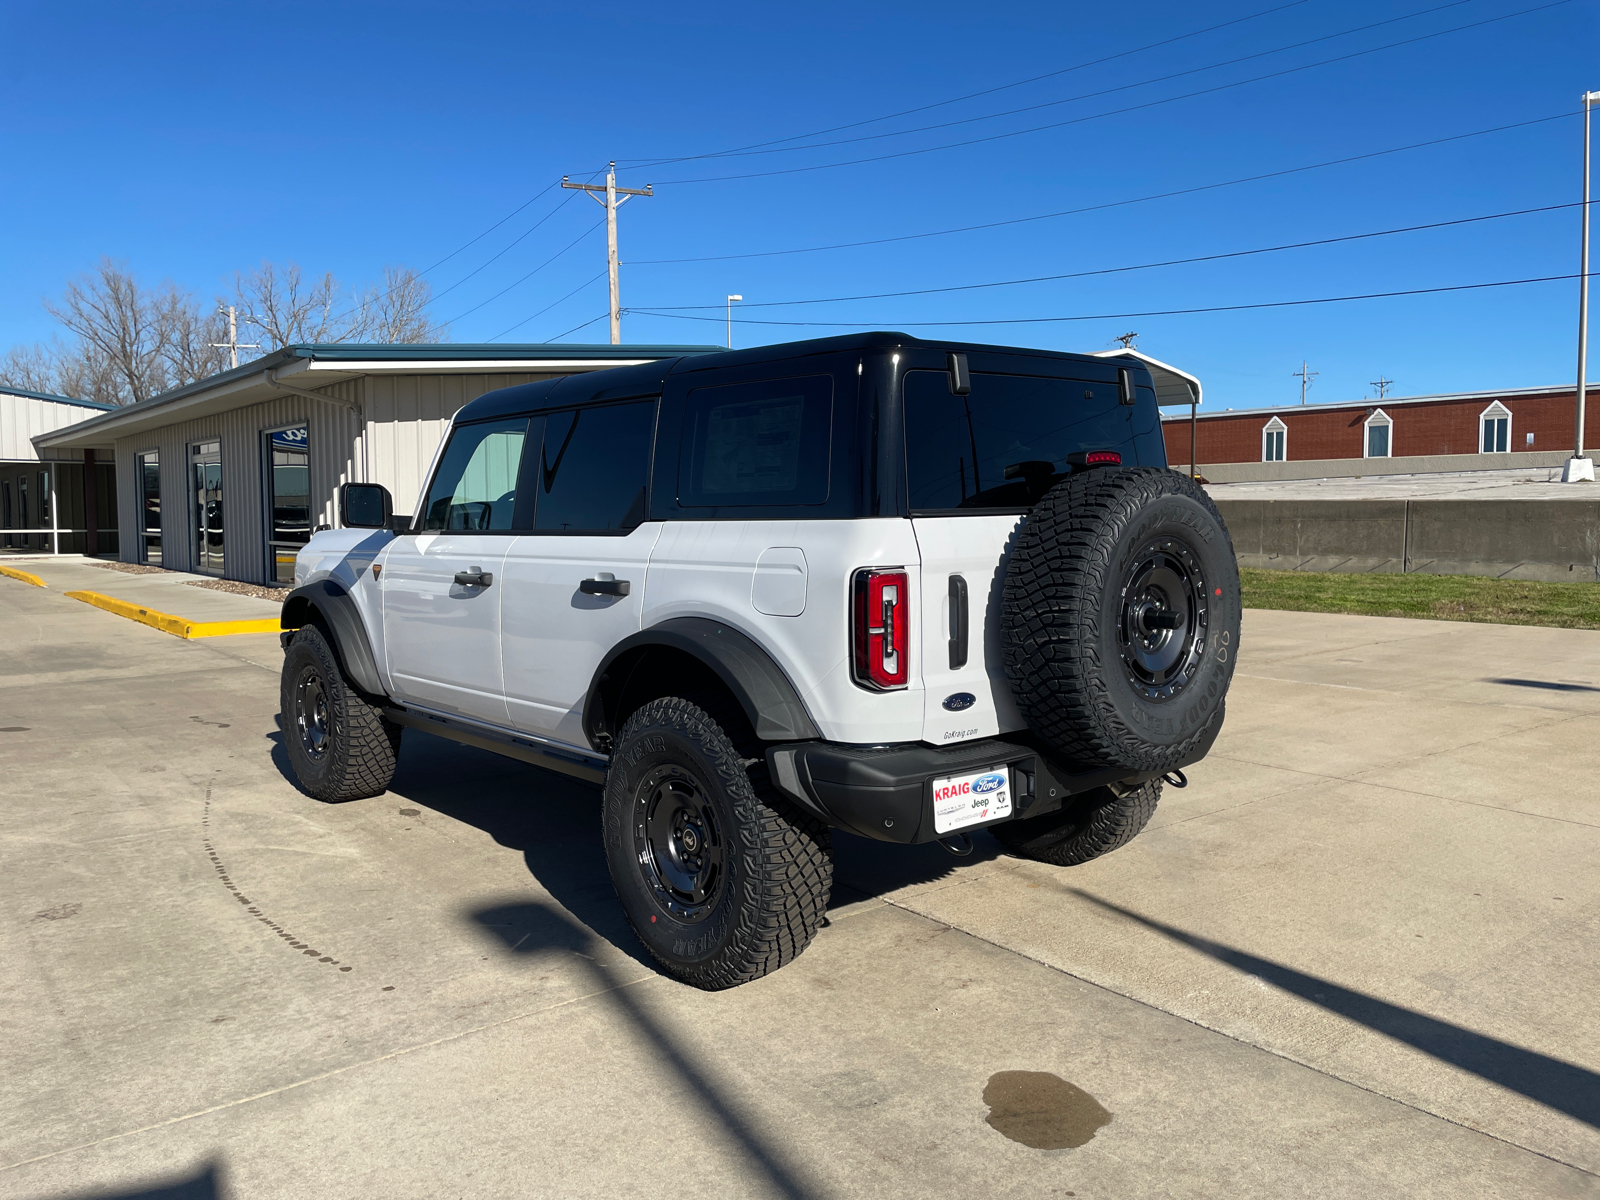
[646,379]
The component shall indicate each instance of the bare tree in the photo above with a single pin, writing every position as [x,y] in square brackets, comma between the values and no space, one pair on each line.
[395,312]
[126,327]
[131,343]
[288,310]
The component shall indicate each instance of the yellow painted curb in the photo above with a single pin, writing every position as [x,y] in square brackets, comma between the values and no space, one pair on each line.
[13,573]
[177,626]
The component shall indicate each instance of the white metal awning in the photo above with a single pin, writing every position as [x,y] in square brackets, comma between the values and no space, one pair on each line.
[1173,387]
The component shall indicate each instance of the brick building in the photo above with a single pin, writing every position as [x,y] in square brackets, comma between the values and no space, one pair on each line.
[1489,426]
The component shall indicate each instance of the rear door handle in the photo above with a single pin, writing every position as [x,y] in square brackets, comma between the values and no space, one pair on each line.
[477,577]
[604,587]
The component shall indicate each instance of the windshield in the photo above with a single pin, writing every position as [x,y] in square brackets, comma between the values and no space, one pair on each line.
[1005,444]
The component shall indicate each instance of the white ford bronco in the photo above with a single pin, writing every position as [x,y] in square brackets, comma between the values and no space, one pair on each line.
[904,589]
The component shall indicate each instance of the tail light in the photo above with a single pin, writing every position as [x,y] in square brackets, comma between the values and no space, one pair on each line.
[880,628]
[1095,458]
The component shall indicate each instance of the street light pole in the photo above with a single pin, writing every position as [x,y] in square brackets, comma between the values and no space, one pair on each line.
[1579,467]
[731,299]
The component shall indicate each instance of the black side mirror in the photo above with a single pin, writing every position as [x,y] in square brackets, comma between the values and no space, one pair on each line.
[365,506]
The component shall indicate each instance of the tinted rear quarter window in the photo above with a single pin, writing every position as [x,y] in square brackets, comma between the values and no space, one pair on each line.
[592,473]
[757,444]
[1006,443]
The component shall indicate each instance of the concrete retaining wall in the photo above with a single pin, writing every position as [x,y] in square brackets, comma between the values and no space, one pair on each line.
[1556,540]
[1357,468]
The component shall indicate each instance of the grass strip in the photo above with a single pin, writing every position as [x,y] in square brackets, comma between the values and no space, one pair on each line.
[1434,597]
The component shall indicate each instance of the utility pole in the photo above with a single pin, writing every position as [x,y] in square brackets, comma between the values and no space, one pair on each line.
[1126,339]
[233,345]
[1383,385]
[615,198]
[1580,468]
[731,299]
[1305,376]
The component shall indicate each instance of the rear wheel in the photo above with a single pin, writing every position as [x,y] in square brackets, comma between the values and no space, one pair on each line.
[721,879]
[340,745]
[1087,826]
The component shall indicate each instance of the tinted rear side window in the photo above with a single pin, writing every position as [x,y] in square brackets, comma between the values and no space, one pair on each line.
[1006,444]
[592,473]
[757,443]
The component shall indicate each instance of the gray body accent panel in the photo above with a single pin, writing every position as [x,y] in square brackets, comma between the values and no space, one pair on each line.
[768,698]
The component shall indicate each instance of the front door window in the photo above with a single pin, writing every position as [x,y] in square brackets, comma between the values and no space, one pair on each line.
[289,482]
[207,475]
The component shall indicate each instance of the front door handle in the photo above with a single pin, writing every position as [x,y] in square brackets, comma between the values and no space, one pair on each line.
[604,587]
[477,577]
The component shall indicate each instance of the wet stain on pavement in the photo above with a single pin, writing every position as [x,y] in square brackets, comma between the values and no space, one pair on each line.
[1042,1110]
[15,728]
[294,942]
[203,721]
[59,912]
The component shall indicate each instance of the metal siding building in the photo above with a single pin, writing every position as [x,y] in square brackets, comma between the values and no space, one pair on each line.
[368,413]
[48,500]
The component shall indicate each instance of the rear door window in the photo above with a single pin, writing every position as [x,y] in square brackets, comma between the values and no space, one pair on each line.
[592,474]
[757,444]
[1006,443]
[475,487]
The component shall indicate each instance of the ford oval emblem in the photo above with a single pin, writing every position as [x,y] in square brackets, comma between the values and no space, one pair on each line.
[960,701]
[988,783]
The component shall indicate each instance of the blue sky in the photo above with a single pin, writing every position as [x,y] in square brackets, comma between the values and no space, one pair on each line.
[193,140]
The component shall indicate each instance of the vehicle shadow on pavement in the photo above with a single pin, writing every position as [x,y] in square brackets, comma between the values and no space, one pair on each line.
[1553,1082]
[555,822]
[534,929]
[202,1185]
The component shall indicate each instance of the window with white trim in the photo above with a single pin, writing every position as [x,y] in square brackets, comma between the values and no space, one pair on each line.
[1378,433]
[1494,429]
[1274,440]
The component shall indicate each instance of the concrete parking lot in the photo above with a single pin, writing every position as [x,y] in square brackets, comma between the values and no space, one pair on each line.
[1355,957]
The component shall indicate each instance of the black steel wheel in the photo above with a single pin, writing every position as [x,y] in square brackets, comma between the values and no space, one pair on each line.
[1164,618]
[678,842]
[1120,619]
[338,743]
[721,878]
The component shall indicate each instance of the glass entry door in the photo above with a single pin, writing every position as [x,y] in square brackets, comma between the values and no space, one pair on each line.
[206,469]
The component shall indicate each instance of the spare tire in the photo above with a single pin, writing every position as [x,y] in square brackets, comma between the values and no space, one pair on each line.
[1120,619]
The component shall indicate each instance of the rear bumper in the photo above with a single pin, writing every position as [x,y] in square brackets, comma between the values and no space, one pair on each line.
[886,792]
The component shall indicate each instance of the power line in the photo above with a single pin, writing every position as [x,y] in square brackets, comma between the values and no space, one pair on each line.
[531,273]
[1229,62]
[1171,262]
[1120,316]
[615,198]
[1221,87]
[548,307]
[507,249]
[907,112]
[585,325]
[1071,212]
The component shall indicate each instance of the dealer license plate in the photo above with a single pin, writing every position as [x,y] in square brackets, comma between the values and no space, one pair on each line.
[963,800]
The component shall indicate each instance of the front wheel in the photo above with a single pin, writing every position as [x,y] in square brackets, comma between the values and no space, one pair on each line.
[720,878]
[340,746]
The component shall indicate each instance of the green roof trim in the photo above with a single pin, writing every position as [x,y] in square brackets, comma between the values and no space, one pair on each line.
[8,390]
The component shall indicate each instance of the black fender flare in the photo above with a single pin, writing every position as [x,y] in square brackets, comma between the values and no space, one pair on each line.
[327,604]
[769,699]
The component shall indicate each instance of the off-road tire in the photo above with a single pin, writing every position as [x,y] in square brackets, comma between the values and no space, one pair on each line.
[1088,825]
[1080,579]
[351,749]
[776,866]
